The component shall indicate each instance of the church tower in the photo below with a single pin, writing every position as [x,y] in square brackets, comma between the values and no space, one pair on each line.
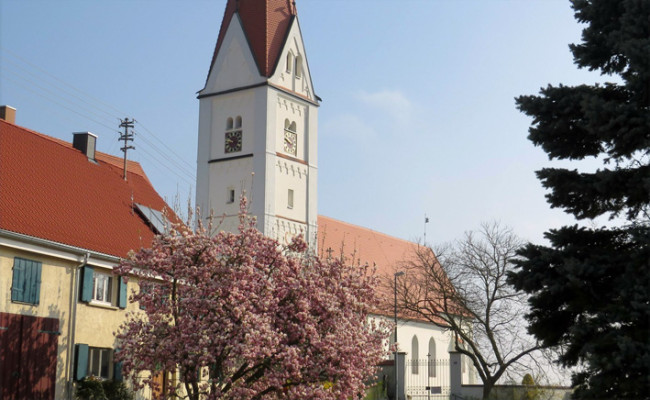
[258,123]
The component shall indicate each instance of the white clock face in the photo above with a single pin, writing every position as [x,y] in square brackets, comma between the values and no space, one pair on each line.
[290,142]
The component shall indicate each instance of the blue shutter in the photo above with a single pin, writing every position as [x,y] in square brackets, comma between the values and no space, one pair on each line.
[121,286]
[81,361]
[26,283]
[36,283]
[18,283]
[117,369]
[87,284]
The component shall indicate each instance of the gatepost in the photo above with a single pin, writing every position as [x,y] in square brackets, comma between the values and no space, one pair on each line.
[455,373]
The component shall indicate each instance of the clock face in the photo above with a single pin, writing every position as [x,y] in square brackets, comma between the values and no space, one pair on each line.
[233,141]
[290,142]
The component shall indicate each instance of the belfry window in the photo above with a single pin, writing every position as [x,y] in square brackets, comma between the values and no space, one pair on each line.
[233,135]
[290,137]
[298,66]
[290,61]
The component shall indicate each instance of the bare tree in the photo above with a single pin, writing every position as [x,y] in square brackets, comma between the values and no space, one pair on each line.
[462,287]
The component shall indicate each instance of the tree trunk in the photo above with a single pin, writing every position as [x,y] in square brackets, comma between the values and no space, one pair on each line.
[487,388]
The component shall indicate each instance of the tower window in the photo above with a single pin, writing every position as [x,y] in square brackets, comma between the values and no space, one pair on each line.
[233,135]
[231,196]
[298,66]
[289,62]
[290,198]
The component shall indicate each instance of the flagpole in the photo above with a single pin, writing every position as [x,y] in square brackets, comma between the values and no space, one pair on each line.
[426,221]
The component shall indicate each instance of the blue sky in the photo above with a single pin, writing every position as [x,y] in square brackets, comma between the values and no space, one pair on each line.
[418,112]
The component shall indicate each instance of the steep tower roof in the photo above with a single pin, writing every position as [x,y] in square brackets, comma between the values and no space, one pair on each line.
[265,23]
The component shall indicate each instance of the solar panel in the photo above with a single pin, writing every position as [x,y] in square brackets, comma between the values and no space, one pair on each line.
[155,218]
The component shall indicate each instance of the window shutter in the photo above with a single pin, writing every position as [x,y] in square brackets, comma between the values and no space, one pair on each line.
[18,283]
[26,281]
[36,283]
[121,298]
[81,361]
[117,369]
[87,284]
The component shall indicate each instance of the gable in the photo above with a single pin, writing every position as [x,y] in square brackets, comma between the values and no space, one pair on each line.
[291,71]
[234,65]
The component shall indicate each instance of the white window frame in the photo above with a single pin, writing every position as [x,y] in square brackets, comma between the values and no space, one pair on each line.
[102,355]
[231,196]
[102,288]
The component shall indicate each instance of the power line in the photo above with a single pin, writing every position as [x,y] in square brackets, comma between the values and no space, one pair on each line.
[87,104]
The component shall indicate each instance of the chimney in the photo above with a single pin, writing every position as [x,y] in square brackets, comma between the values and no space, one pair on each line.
[8,113]
[85,142]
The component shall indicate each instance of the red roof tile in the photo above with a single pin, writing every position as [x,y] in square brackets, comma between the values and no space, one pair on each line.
[265,24]
[363,246]
[50,190]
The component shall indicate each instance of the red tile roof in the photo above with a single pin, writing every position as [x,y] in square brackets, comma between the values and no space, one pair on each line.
[265,23]
[363,246]
[50,190]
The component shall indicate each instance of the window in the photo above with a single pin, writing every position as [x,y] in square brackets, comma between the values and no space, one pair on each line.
[233,135]
[97,287]
[26,282]
[290,198]
[96,361]
[432,358]
[415,354]
[99,361]
[102,287]
[289,62]
[231,196]
[298,66]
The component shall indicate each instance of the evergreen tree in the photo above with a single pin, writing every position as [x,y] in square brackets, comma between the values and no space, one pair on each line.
[590,288]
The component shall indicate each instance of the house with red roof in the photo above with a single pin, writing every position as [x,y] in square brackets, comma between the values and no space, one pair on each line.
[67,217]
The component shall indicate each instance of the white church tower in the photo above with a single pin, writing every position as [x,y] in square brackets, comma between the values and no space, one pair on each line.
[258,123]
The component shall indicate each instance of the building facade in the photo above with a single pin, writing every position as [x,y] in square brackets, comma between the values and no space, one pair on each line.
[258,123]
[67,217]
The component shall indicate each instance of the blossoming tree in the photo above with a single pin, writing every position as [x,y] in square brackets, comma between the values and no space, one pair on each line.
[237,316]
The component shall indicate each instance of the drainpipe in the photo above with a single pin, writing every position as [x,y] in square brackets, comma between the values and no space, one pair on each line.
[72,324]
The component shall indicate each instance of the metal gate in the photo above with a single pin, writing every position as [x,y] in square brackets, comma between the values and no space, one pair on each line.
[28,356]
[427,379]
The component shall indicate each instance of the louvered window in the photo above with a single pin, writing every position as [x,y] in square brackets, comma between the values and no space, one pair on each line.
[26,283]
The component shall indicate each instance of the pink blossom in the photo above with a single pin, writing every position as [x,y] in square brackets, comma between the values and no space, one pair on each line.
[238,316]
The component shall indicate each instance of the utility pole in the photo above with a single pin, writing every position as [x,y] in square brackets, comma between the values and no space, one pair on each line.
[126,137]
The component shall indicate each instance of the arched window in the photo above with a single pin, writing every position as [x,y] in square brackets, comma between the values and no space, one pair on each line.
[415,354]
[233,135]
[289,62]
[290,137]
[432,357]
[298,66]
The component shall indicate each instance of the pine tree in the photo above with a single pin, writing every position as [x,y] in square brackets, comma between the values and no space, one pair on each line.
[590,289]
